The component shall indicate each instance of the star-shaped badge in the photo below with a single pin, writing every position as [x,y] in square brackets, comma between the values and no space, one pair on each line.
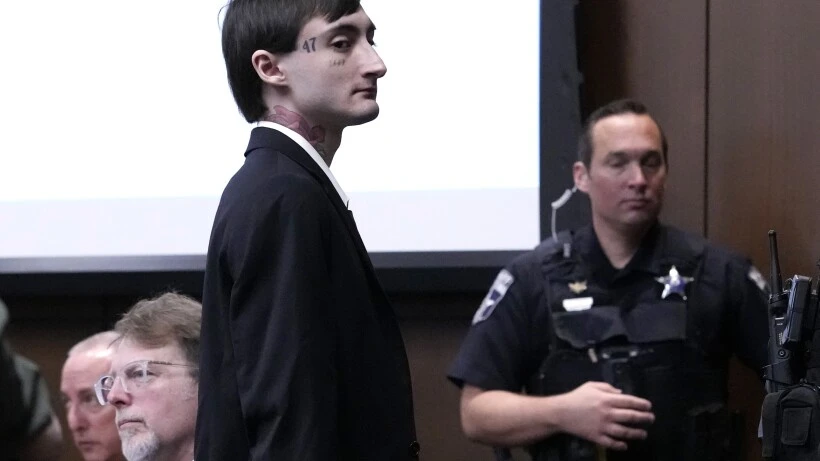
[674,283]
[578,287]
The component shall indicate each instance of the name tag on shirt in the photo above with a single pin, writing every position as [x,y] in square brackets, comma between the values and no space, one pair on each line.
[577,304]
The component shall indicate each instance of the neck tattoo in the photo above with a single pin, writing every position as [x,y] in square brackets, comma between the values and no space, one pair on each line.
[314,135]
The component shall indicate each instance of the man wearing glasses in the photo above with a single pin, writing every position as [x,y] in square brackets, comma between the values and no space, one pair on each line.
[154,378]
[91,424]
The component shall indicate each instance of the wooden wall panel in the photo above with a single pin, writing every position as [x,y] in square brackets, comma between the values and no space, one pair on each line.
[654,52]
[763,138]
[433,329]
[764,129]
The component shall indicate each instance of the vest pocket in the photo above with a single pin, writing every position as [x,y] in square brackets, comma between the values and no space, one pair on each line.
[645,323]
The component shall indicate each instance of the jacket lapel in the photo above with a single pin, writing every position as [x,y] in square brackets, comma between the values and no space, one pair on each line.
[269,138]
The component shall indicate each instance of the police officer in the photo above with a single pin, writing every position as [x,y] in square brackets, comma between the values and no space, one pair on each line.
[619,333]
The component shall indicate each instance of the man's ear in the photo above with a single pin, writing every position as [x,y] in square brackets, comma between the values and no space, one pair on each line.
[266,65]
[580,174]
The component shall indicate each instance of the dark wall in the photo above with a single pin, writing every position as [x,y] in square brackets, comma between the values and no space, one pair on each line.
[734,86]
[763,158]
[655,52]
[764,129]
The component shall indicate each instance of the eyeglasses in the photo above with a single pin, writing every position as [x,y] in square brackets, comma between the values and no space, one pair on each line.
[133,376]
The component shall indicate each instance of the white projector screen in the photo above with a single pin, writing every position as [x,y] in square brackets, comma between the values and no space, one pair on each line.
[119,131]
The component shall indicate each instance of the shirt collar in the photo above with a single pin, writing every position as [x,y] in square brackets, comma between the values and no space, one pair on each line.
[644,258]
[314,154]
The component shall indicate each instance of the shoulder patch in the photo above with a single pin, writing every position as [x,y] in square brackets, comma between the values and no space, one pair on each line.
[497,291]
[756,277]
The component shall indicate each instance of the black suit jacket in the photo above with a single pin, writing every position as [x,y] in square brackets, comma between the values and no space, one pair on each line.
[301,355]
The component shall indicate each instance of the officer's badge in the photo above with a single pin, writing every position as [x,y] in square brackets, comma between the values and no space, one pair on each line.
[674,283]
[497,291]
[578,287]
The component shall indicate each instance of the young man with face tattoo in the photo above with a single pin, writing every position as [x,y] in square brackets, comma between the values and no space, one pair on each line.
[302,357]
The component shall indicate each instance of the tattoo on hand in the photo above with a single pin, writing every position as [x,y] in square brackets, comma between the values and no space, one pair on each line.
[309,45]
[337,62]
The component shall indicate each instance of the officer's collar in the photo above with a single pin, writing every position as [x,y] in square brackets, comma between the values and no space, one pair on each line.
[645,258]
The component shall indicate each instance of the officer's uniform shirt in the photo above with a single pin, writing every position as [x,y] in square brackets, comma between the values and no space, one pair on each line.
[513,328]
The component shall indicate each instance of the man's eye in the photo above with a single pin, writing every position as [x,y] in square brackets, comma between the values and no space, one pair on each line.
[652,162]
[138,373]
[341,44]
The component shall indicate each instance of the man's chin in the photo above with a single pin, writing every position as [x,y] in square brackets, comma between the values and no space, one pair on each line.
[140,447]
[364,116]
[639,219]
[100,454]
[90,452]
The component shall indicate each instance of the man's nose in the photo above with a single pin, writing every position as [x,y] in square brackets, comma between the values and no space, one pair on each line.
[119,395]
[637,175]
[374,66]
[77,421]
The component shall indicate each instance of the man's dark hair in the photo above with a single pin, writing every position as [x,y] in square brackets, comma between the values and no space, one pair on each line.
[621,106]
[270,25]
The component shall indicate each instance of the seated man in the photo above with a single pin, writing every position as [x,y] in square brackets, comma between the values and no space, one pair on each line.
[91,424]
[154,378]
[29,430]
[621,331]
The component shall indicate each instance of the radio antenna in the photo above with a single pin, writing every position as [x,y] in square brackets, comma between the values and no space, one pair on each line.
[776,279]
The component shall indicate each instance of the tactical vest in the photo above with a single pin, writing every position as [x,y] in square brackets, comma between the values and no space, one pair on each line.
[641,344]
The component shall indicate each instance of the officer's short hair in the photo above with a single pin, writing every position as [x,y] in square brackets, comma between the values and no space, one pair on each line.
[621,106]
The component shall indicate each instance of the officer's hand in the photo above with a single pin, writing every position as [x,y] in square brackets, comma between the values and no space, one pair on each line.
[602,414]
